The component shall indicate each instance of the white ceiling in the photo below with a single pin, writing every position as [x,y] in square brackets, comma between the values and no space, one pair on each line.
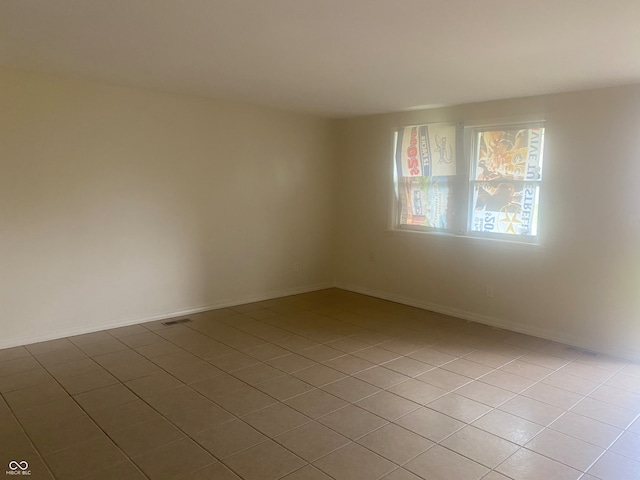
[331,57]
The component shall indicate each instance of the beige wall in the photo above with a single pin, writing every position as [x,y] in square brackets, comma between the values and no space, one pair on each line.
[120,204]
[581,286]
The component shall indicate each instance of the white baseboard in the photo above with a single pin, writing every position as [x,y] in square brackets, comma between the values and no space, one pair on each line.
[69,332]
[496,322]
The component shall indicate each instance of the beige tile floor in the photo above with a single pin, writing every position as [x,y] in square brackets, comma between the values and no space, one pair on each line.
[325,385]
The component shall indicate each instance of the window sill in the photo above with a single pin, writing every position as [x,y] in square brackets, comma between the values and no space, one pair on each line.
[462,237]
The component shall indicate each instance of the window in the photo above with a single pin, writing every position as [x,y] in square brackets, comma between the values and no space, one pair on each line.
[493,193]
[426,170]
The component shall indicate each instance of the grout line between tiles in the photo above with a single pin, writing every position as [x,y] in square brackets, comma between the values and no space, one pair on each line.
[89,417]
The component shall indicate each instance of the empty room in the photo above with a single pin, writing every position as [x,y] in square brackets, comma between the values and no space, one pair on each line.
[319,240]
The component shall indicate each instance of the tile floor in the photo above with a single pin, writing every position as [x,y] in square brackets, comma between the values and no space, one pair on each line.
[325,385]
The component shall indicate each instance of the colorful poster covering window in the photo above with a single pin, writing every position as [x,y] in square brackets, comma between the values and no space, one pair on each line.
[425,164]
[513,154]
[426,151]
[425,201]
[505,207]
[505,181]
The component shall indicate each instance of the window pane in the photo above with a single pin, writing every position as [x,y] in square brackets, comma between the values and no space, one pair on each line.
[425,201]
[426,150]
[505,208]
[514,154]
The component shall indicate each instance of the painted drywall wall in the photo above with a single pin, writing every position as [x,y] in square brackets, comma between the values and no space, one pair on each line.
[580,286]
[121,204]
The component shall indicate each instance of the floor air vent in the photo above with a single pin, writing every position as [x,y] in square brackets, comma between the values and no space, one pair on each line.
[168,323]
